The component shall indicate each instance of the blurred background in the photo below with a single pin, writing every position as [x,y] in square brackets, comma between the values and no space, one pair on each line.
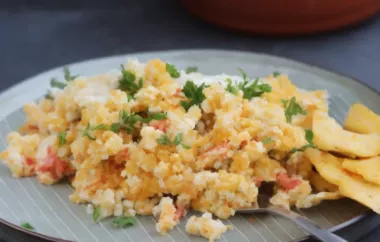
[41,34]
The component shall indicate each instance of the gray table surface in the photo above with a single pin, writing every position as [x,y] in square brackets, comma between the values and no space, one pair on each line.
[45,34]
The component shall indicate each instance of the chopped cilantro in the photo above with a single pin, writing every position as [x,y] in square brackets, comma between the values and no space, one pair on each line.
[276,74]
[191,69]
[292,108]
[67,74]
[250,90]
[194,93]
[173,72]
[127,82]
[123,221]
[62,138]
[155,116]
[61,85]
[177,139]
[27,225]
[87,131]
[96,215]
[165,140]
[243,74]
[115,127]
[254,90]
[231,87]
[309,135]
[57,84]
[267,140]
[127,121]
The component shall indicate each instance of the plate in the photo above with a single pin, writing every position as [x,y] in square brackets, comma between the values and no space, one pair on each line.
[55,217]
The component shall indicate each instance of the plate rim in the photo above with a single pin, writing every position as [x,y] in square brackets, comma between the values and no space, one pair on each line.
[13,88]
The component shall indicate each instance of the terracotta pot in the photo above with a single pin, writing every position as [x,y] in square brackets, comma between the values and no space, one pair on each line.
[283,16]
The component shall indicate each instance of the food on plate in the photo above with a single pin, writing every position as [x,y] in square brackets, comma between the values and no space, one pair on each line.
[343,141]
[206,226]
[362,120]
[350,184]
[369,168]
[321,184]
[153,139]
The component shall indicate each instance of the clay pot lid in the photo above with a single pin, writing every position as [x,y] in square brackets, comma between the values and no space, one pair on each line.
[283,17]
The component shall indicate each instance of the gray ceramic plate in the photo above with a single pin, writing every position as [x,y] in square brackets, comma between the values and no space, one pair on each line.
[49,210]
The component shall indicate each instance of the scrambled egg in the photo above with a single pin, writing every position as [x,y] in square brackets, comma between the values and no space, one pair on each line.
[145,142]
[206,227]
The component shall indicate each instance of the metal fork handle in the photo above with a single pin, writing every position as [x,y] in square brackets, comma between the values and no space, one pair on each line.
[308,225]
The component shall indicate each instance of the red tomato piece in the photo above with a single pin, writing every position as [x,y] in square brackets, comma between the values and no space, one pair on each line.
[286,182]
[53,164]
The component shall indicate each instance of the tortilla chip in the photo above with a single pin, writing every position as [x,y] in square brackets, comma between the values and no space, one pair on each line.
[315,199]
[350,185]
[320,184]
[369,169]
[362,120]
[330,136]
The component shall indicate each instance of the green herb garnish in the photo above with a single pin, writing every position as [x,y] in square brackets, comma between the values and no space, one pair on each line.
[231,87]
[177,139]
[309,135]
[292,108]
[154,116]
[250,89]
[243,74]
[194,93]
[254,90]
[127,121]
[173,72]
[276,74]
[62,138]
[96,215]
[57,84]
[67,74]
[127,82]
[123,221]
[191,69]
[267,140]
[89,129]
[115,127]
[165,140]
[27,225]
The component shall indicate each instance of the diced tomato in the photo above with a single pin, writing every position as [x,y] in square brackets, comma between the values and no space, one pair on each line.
[29,161]
[222,147]
[123,155]
[179,213]
[52,164]
[33,127]
[160,124]
[242,144]
[177,92]
[286,182]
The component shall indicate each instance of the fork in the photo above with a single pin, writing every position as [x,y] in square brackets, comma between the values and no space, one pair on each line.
[305,223]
